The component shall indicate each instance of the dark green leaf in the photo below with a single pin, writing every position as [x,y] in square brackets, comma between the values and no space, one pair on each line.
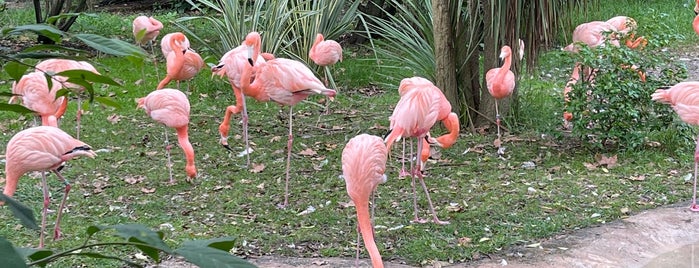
[141,234]
[15,69]
[102,256]
[9,256]
[89,76]
[107,101]
[42,29]
[55,48]
[36,55]
[92,229]
[221,243]
[111,46]
[53,19]
[204,256]
[21,212]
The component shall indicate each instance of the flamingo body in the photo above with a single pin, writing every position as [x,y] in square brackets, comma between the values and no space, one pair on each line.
[364,168]
[325,52]
[38,97]
[592,34]
[182,63]
[171,108]
[165,44]
[501,81]
[150,25]
[42,148]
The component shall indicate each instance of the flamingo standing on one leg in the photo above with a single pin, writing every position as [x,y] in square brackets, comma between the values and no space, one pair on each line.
[171,107]
[60,65]
[501,83]
[146,30]
[283,81]
[38,97]
[364,168]
[326,53]
[416,112]
[42,148]
[684,99]
[231,65]
[182,63]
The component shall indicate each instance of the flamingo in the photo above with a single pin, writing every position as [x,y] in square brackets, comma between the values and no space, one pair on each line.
[501,83]
[416,112]
[165,44]
[42,148]
[364,168]
[623,24]
[684,99]
[695,23]
[696,8]
[521,49]
[60,65]
[231,65]
[38,97]
[146,30]
[182,63]
[283,81]
[326,53]
[171,107]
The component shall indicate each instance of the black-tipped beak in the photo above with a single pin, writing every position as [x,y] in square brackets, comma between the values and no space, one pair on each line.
[250,61]
[79,148]
[387,133]
[184,52]
[427,139]
[227,147]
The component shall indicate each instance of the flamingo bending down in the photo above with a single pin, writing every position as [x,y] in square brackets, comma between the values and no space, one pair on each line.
[283,81]
[165,44]
[146,30]
[182,63]
[501,83]
[38,97]
[42,148]
[326,53]
[593,34]
[684,99]
[60,65]
[364,168]
[171,107]
[416,112]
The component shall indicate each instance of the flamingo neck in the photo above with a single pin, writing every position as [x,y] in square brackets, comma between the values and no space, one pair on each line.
[183,139]
[502,73]
[695,23]
[452,124]
[11,179]
[319,38]
[367,231]
[396,133]
[179,54]
[252,89]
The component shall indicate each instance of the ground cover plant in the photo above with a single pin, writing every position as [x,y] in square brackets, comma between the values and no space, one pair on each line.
[547,183]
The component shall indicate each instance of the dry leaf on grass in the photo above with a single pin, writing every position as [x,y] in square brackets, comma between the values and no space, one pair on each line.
[114,118]
[638,178]
[257,168]
[133,180]
[148,190]
[308,152]
[590,166]
[610,162]
[497,143]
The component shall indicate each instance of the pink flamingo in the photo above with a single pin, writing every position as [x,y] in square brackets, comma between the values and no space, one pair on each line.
[283,81]
[231,65]
[165,44]
[416,112]
[182,63]
[593,34]
[501,83]
[146,30]
[326,53]
[60,65]
[42,148]
[38,97]
[684,99]
[623,24]
[171,107]
[364,168]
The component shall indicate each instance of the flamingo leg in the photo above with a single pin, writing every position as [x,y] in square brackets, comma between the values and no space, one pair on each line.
[169,161]
[44,211]
[155,58]
[497,122]
[77,118]
[57,227]
[356,260]
[225,126]
[403,173]
[328,75]
[427,192]
[694,206]
[412,184]
[288,159]
[245,131]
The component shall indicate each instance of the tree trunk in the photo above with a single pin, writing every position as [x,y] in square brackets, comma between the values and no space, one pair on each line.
[444,53]
[491,38]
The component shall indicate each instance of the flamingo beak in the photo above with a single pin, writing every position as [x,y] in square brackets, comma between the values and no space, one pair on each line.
[250,55]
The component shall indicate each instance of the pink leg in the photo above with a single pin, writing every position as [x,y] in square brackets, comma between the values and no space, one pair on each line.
[245,129]
[155,59]
[169,161]
[427,192]
[694,206]
[57,228]
[356,260]
[78,114]
[403,172]
[44,211]
[412,184]
[288,160]
[497,122]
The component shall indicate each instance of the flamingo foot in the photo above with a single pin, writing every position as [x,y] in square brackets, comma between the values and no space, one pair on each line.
[56,233]
[440,222]
[694,207]
[281,205]
[403,173]
[418,220]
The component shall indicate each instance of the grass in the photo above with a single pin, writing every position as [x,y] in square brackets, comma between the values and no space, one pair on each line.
[492,203]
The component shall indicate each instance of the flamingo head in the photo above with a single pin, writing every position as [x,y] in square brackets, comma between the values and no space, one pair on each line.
[218,70]
[253,42]
[696,8]
[505,52]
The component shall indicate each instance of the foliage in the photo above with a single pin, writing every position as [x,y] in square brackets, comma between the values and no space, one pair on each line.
[612,107]
[288,27]
[204,253]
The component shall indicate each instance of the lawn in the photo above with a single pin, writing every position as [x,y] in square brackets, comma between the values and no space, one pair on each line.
[546,184]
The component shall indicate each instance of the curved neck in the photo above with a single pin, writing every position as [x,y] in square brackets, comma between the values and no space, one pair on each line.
[505,67]
[183,139]
[695,23]
[367,231]
[179,53]
[319,38]
[11,179]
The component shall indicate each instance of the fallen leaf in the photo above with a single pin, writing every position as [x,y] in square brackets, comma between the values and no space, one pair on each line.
[610,162]
[346,204]
[261,186]
[275,139]
[138,82]
[624,210]
[133,180]
[308,210]
[497,143]
[114,118]
[454,207]
[590,166]
[638,178]
[464,241]
[147,190]
[257,168]
[535,245]
[308,152]
[152,153]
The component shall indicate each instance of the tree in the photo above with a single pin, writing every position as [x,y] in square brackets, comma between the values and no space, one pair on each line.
[60,13]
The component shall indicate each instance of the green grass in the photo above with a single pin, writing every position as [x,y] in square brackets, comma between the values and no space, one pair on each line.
[491,202]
